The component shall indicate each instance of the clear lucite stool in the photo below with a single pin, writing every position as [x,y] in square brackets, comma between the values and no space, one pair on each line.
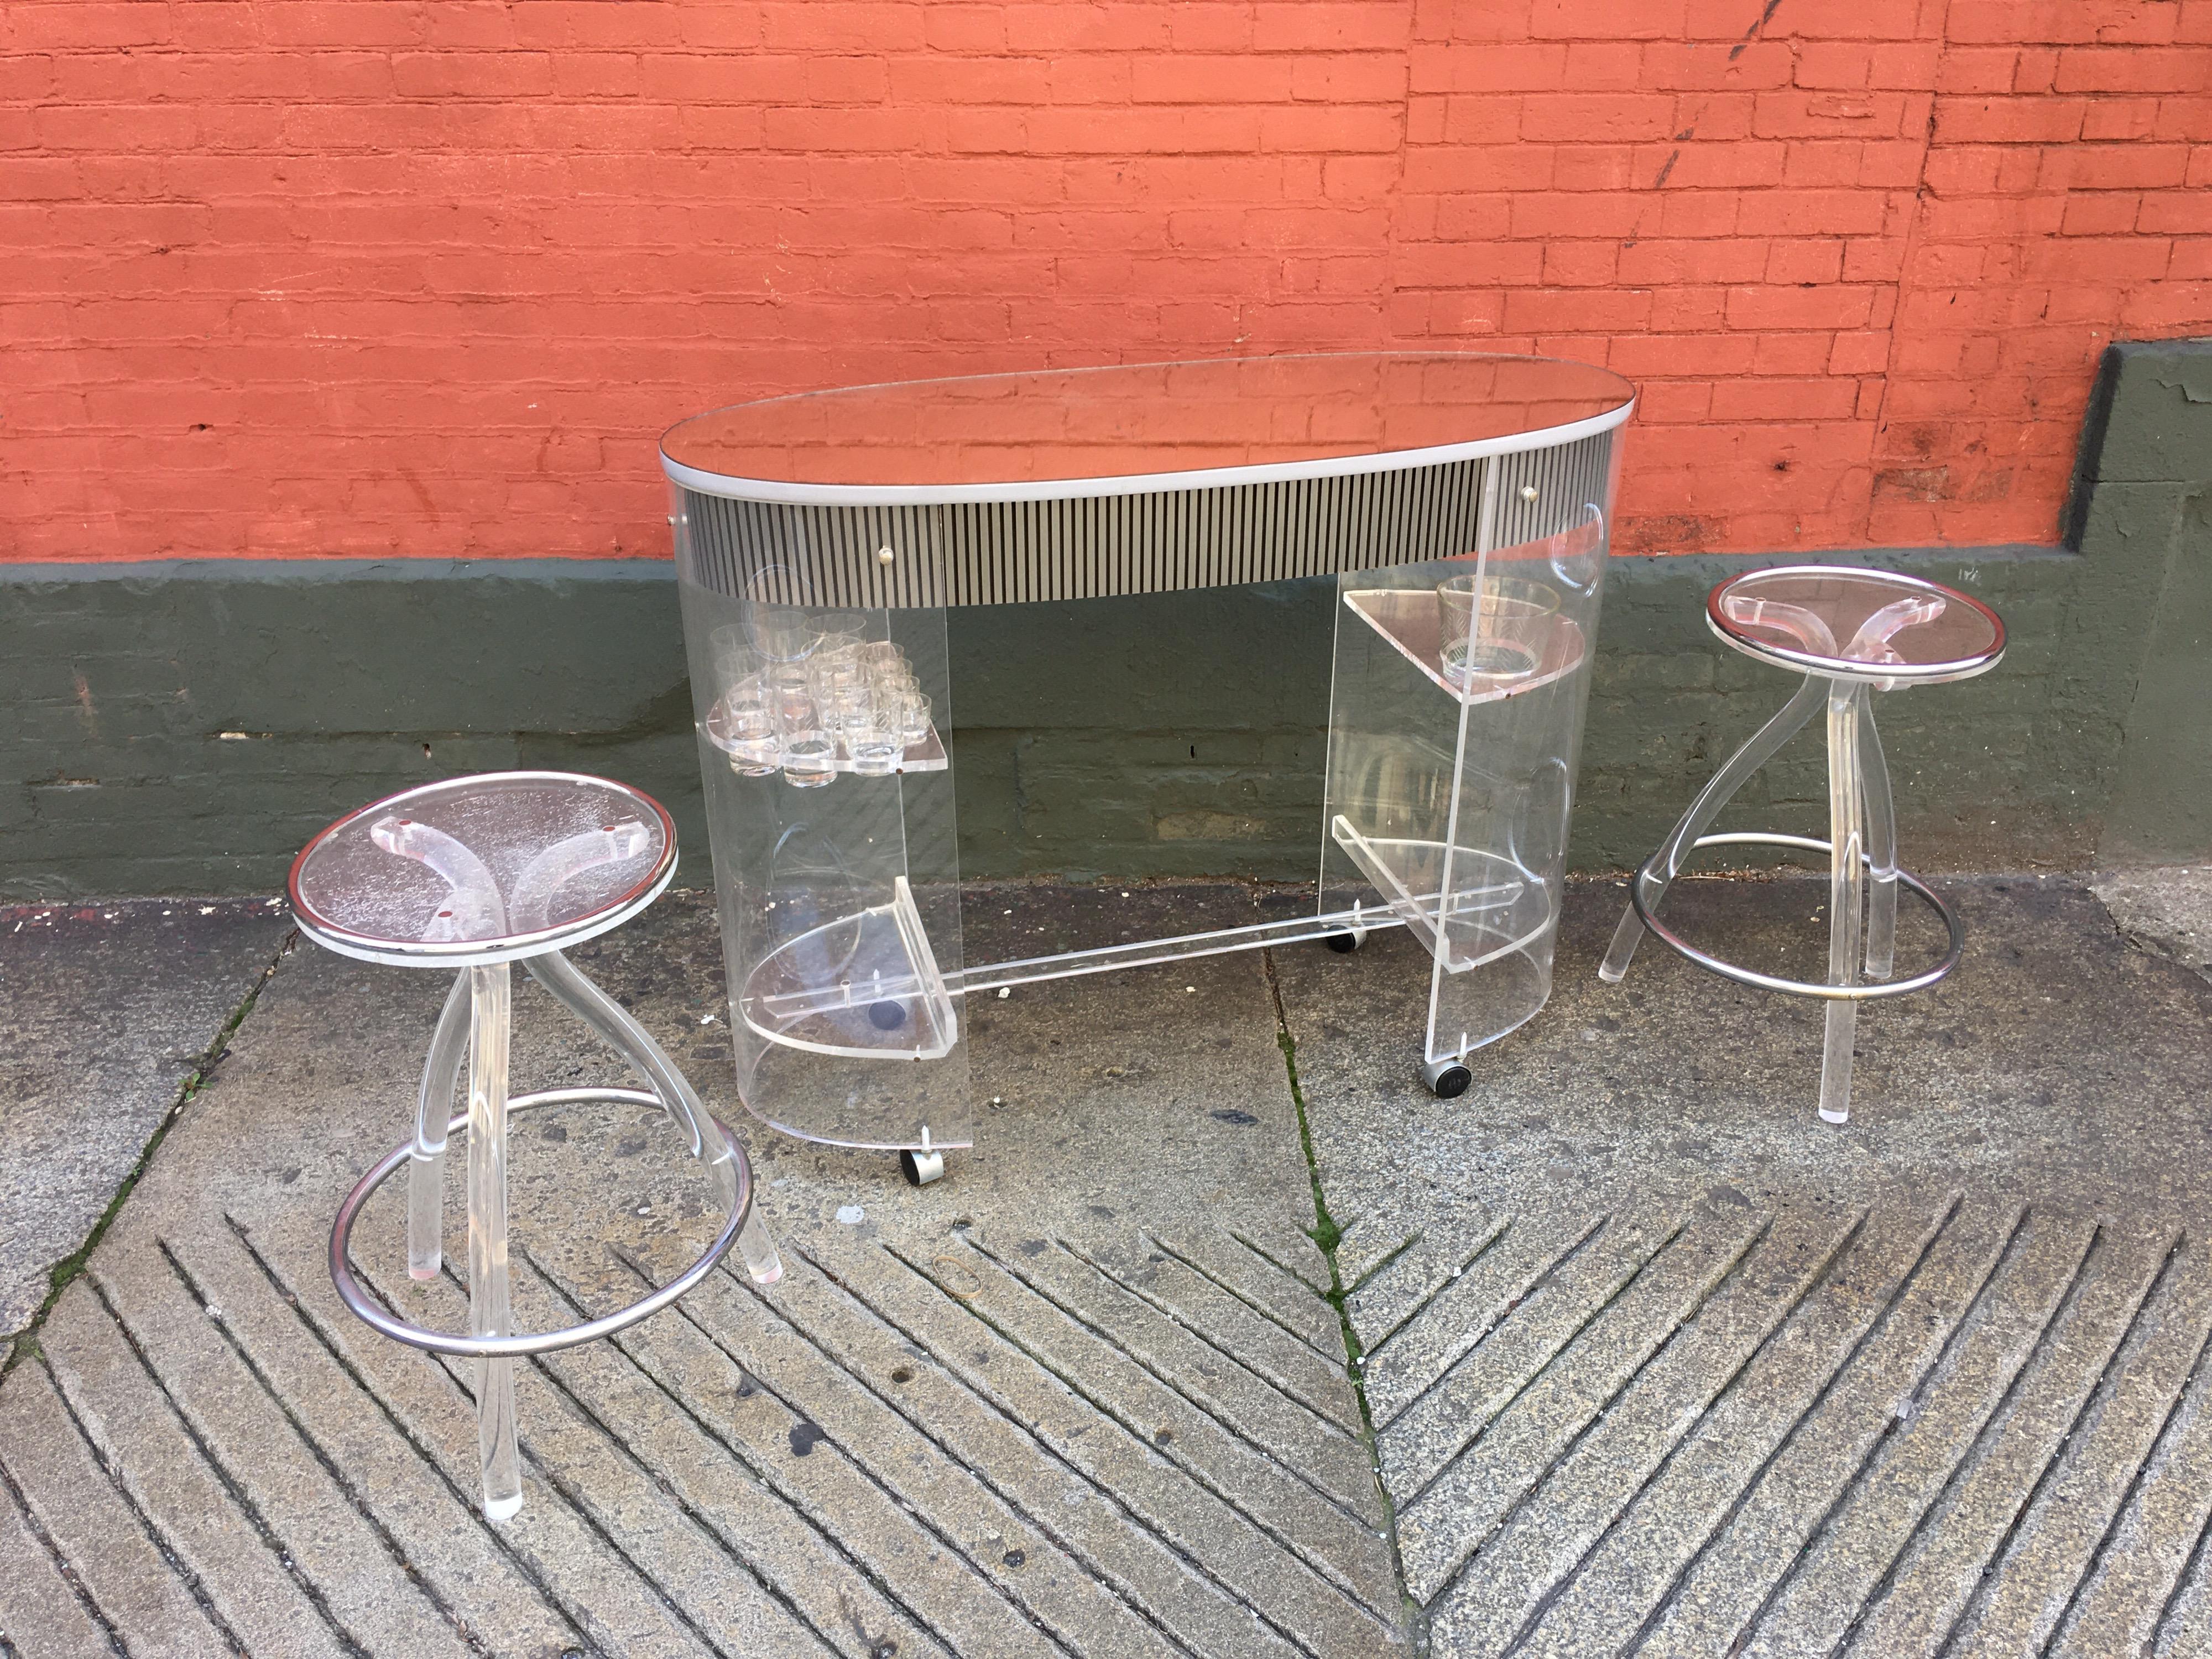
[478,873]
[1850,633]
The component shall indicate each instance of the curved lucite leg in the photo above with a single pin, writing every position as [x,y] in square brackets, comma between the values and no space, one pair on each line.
[1663,866]
[1881,845]
[433,1109]
[1846,893]
[575,991]
[489,1313]
[569,987]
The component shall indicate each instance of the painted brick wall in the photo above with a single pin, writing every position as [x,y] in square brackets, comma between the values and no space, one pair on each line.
[288,277]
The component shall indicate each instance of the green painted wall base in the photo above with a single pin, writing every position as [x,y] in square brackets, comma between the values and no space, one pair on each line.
[184,727]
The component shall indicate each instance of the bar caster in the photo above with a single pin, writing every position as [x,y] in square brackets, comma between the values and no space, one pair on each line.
[1351,938]
[920,1167]
[1448,1079]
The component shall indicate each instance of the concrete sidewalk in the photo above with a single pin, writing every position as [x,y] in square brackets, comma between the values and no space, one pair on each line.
[1647,1358]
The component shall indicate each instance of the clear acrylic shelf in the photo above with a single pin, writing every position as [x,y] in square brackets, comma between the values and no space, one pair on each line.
[1497,906]
[928,756]
[1407,618]
[863,987]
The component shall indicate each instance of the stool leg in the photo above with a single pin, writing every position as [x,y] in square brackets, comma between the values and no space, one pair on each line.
[1663,866]
[575,991]
[490,992]
[1846,894]
[433,1109]
[1881,843]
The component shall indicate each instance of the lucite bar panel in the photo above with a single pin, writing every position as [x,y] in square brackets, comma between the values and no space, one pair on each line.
[1457,707]
[1513,793]
[829,803]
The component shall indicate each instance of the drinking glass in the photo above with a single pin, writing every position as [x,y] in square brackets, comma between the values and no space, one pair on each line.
[750,732]
[912,710]
[873,746]
[810,758]
[1493,628]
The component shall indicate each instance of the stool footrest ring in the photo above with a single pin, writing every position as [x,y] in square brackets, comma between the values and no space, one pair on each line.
[1895,988]
[373,1315]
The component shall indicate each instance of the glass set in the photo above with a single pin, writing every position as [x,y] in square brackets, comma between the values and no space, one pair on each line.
[807,694]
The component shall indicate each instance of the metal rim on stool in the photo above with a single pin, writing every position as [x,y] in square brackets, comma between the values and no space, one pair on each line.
[1895,988]
[507,1347]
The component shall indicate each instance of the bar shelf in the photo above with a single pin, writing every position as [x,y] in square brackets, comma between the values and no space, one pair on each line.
[1407,617]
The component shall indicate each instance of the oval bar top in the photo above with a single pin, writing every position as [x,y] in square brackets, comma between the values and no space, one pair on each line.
[1064,432]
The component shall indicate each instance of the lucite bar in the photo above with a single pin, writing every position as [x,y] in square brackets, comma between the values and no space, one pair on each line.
[489,1312]
[1846,895]
[1140,953]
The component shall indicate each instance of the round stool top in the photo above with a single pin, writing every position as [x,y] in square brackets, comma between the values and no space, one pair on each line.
[484,869]
[1856,624]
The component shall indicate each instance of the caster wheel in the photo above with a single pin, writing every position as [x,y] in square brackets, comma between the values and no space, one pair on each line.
[919,1169]
[1448,1079]
[887,1015]
[1346,943]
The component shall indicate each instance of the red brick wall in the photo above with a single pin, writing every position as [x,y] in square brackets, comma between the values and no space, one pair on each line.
[379,276]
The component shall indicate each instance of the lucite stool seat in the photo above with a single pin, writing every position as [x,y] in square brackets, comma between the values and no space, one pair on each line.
[1851,633]
[478,873]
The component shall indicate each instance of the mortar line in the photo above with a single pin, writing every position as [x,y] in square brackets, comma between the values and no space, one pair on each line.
[1610,1300]
[329,1465]
[63,1566]
[1242,1600]
[745,1460]
[175,1563]
[2099,1396]
[1229,1290]
[1497,1230]
[1158,1306]
[255,1518]
[625,1453]
[1327,1235]
[1530,1288]
[1322,1573]
[1112,1498]
[525,1568]
[1909,1411]
[2029,1355]
[1287,1271]
[1841,1368]
[2190,1378]
[1811,1283]
[62,1272]
[1596,1416]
